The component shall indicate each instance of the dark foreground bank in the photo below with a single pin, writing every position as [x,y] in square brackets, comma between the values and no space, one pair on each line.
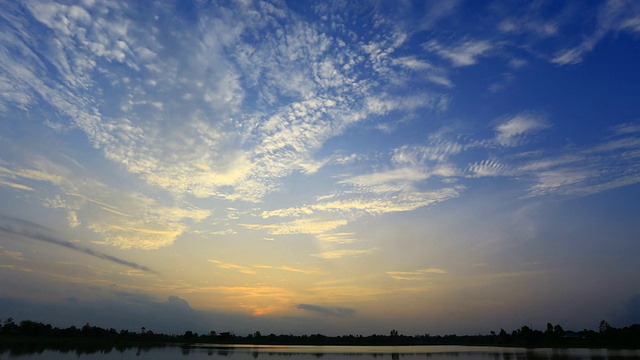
[29,333]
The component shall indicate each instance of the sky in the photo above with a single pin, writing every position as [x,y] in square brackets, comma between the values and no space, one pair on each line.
[320,167]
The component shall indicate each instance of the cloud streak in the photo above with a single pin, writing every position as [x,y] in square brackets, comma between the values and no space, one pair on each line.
[26,229]
[324,310]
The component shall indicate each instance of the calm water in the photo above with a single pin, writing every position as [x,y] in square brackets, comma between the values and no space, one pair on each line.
[327,353]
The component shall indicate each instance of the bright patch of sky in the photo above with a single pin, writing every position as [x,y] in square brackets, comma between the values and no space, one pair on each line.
[298,166]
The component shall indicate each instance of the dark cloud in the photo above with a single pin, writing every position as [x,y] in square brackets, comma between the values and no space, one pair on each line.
[332,311]
[33,231]
[120,309]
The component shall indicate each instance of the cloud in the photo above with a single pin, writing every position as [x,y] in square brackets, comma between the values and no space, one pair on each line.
[223,265]
[324,310]
[26,174]
[72,218]
[437,11]
[16,185]
[404,200]
[131,310]
[488,168]
[253,109]
[27,229]
[514,130]
[15,255]
[612,16]
[290,212]
[576,171]
[462,54]
[627,128]
[386,181]
[142,233]
[299,226]
[337,254]
[417,275]
[433,271]
[339,238]
[288,268]
[399,188]
[432,73]
[550,181]
[540,20]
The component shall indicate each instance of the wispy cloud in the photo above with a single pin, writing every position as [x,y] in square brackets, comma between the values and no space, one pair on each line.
[488,168]
[224,265]
[540,20]
[416,275]
[612,16]
[15,255]
[217,150]
[437,11]
[463,54]
[299,226]
[515,130]
[337,254]
[289,269]
[339,238]
[404,200]
[15,185]
[433,271]
[26,174]
[29,230]
[251,270]
[325,310]
[575,171]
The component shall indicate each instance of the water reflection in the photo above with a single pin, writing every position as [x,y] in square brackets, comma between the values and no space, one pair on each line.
[77,349]
[206,351]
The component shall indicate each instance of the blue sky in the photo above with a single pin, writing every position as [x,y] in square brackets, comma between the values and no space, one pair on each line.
[305,167]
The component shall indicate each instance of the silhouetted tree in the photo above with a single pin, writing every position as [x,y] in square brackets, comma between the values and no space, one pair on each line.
[558,331]
[549,331]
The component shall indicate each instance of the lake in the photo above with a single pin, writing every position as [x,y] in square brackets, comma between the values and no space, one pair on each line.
[253,352]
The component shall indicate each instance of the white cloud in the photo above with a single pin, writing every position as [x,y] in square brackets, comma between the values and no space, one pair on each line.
[462,54]
[339,238]
[488,168]
[337,254]
[581,171]
[437,150]
[299,226]
[627,128]
[437,11]
[388,181]
[72,218]
[612,16]
[176,116]
[288,268]
[15,185]
[225,265]
[514,130]
[290,212]
[432,73]
[551,181]
[15,255]
[416,275]
[405,200]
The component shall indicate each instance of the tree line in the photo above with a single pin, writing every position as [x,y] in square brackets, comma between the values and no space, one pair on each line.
[606,335]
